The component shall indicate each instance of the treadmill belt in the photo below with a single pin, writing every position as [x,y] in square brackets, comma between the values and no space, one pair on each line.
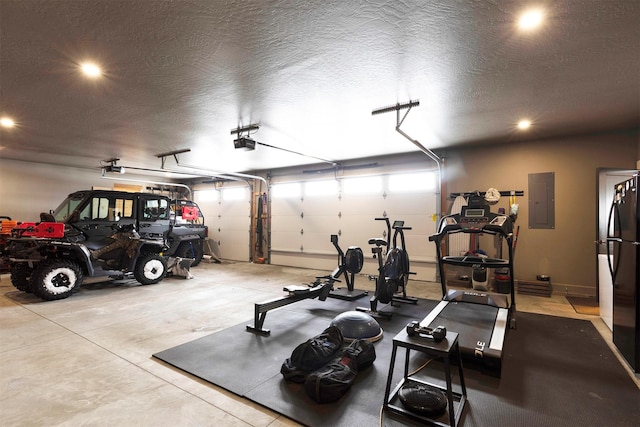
[474,324]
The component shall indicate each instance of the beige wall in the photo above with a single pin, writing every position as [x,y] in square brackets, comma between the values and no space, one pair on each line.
[30,188]
[566,253]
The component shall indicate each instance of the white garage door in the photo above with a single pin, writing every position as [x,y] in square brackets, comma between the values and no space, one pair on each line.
[302,221]
[227,213]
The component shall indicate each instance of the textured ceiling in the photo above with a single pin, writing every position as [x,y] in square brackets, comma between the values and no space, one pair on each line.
[183,74]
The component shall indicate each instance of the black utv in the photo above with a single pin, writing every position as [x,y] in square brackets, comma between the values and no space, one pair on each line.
[92,233]
[188,232]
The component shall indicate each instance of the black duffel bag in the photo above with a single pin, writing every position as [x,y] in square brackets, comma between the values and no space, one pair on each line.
[333,380]
[312,354]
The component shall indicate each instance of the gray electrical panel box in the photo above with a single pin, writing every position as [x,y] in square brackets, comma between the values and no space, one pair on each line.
[541,200]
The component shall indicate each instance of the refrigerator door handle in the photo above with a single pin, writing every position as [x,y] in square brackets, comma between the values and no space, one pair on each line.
[614,213]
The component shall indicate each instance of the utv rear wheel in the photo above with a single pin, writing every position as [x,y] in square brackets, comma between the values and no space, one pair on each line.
[56,279]
[20,277]
[191,249]
[150,268]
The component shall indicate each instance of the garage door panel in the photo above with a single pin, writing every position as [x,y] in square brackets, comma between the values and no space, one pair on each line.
[318,242]
[419,201]
[286,206]
[233,225]
[235,251]
[319,203]
[286,241]
[286,223]
[420,246]
[322,224]
[358,204]
[357,230]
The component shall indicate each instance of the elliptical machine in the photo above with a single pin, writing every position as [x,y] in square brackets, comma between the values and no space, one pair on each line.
[393,272]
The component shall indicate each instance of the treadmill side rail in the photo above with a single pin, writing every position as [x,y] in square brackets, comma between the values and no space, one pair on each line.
[433,314]
[499,330]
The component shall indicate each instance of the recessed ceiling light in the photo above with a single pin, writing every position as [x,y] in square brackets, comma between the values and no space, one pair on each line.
[524,124]
[90,69]
[7,122]
[531,19]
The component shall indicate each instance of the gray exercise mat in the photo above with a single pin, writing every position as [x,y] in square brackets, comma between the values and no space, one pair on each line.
[556,371]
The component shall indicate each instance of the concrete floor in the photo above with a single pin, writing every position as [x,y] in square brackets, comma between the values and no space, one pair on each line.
[86,360]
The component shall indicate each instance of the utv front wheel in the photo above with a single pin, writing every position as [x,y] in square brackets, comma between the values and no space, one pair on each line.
[56,279]
[150,268]
[20,275]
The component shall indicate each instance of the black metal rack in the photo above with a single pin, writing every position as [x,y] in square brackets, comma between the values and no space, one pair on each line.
[482,193]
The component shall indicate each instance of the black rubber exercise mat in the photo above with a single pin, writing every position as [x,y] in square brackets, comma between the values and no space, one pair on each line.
[556,371]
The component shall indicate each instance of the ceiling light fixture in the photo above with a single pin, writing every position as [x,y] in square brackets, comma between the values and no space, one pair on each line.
[91,70]
[247,143]
[7,122]
[524,124]
[530,20]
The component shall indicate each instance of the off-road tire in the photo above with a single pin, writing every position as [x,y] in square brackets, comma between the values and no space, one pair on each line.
[20,277]
[55,279]
[150,269]
[191,249]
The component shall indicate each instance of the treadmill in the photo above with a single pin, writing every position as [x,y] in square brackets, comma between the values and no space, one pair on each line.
[481,318]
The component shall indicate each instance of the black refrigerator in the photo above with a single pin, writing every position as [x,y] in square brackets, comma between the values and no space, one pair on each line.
[624,230]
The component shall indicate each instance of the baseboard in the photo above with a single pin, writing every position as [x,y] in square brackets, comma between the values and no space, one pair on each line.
[574,290]
[564,288]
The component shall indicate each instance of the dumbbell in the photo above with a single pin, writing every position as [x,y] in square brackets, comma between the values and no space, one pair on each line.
[437,334]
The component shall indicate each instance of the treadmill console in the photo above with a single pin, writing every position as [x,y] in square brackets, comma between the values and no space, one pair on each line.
[476,219]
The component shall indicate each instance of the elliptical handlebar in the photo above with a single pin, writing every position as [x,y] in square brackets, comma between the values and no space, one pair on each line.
[386,220]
